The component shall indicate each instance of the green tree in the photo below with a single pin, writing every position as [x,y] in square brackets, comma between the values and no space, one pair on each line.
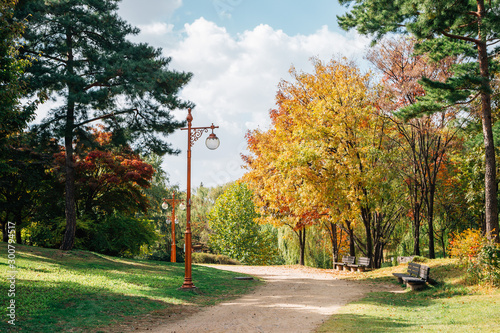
[467,29]
[203,200]
[84,58]
[13,117]
[234,230]
[22,181]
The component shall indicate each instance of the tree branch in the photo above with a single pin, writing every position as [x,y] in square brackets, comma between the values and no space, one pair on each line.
[112,114]
[476,14]
[44,55]
[467,39]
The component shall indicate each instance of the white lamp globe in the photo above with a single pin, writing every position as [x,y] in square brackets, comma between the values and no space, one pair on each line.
[212,142]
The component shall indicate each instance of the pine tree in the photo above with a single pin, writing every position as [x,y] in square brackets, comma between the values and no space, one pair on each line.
[468,29]
[84,59]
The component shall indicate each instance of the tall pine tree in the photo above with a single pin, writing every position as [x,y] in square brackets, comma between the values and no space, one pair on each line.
[466,28]
[84,59]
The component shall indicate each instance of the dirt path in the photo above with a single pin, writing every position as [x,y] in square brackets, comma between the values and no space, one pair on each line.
[292,300]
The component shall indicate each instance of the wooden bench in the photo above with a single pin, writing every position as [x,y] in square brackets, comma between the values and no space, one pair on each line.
[363,263]
[412,271]
[419,282]
[346,261]
[416,276]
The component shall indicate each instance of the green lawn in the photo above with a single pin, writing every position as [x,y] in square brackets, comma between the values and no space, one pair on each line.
[450,306]
[81,291]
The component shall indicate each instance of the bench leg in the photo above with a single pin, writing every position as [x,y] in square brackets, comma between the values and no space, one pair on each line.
[416,287]
[361,269]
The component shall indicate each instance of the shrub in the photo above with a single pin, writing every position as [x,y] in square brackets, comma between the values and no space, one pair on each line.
[115,234]
[467,244]
[489,261]
[208,258]
[45,233]
[480,256]
[419,259]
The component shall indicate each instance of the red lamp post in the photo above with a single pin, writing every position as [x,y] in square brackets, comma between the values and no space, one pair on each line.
[212,142]
[173,202]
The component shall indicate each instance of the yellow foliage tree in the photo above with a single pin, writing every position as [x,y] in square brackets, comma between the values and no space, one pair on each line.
[321,158]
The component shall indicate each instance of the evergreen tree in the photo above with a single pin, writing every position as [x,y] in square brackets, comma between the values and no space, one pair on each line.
[84,59]
[467,29]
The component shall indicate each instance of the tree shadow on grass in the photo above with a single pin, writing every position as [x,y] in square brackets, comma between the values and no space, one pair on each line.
[71,307]
[362,323]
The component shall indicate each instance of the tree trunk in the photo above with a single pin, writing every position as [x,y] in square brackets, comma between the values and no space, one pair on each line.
[416,207]
[302,244]
[333,239]
[19,239]
[366,215]
[490,185]
[70,206]
[416,233]
[443,244]
[352,247]
[378,254]
[5,235]
[430,215]
[18,220]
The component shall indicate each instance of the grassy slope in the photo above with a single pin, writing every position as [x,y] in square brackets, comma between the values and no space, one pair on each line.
[60,291]
[449,306]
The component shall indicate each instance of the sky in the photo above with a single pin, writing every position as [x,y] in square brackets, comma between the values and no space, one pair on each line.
[238,52]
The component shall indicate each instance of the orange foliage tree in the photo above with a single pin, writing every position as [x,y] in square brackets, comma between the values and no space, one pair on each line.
[423,142]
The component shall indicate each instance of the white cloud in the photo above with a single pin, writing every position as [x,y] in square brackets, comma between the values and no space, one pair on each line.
[235,81]
[156,28]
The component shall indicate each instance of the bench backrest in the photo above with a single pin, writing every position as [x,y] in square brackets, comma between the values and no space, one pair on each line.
[364,261]
[414,269]
[348,260]
[424,272]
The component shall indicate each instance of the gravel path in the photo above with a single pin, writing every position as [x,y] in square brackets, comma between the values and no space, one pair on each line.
[293,299]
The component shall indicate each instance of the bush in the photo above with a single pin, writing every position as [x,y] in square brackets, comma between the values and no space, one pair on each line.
[489,261]
[208,258]
[116,235]
[467,244]
[419,259]
[479,255]
[47,234]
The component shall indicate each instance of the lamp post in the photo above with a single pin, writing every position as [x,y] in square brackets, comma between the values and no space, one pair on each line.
[164,205]
[212,142]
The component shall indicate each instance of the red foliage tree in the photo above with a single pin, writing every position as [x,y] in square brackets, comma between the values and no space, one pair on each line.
[108,180]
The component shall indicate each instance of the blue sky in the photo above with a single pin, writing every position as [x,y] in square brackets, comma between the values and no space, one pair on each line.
[293,17]
[238,51]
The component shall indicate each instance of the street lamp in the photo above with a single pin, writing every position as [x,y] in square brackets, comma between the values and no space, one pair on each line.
[212,142]
[173,220]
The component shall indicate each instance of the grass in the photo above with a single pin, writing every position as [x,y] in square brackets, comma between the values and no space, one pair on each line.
[449,306]
[81,291]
